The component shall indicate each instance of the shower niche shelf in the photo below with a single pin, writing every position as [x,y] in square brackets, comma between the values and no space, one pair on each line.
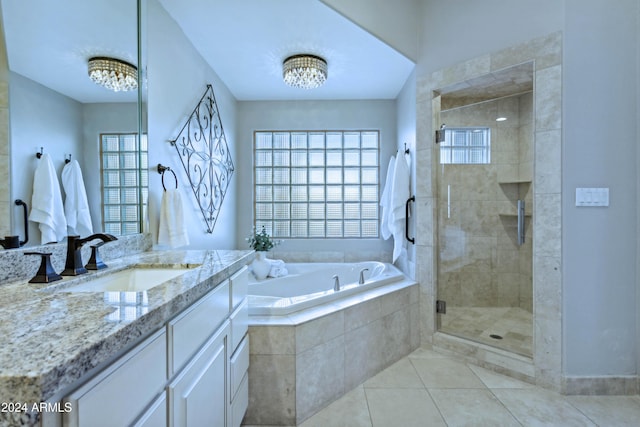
[514,181]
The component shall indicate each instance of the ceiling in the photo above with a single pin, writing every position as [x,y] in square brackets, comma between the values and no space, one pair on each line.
[244,42]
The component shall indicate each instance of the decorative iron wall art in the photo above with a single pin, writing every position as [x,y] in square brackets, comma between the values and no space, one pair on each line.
[205,156]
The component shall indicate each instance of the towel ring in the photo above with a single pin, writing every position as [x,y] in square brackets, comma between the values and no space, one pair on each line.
[161,170]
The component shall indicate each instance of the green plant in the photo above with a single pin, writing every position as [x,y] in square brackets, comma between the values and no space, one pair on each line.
[261,241]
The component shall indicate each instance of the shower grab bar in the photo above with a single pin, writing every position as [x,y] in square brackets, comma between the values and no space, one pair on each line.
[406,219]
[520,222]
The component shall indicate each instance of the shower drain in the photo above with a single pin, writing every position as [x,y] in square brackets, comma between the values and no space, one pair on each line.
[495,337]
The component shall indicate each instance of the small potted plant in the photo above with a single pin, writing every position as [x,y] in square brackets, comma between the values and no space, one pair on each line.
[261,242]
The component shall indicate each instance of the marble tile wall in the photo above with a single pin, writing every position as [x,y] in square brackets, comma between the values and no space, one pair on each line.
[546,196]
[296,369]
[481,263]
[5,161]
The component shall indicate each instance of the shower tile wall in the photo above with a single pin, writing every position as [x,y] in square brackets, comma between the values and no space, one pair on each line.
[481,264]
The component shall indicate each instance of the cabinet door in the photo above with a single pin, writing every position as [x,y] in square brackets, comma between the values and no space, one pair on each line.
[156,415]
[197,396]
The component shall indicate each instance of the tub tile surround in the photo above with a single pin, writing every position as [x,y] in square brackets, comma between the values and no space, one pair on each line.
[54,337]
[302,362]
[545,366]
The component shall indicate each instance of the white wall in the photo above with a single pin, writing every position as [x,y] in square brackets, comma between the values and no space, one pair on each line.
[600,141]
[177,78]
[310,115]
[406,115]
[97,119]
[39,117]
[394,22]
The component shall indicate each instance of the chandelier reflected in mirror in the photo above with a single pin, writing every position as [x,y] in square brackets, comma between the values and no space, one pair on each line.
[114,74]
[304,71]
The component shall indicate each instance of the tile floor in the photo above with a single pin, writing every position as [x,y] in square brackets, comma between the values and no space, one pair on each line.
[513,324]
[429,389]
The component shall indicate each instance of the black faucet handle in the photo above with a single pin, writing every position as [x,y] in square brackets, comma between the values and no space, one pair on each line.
[95,262]
[46,273]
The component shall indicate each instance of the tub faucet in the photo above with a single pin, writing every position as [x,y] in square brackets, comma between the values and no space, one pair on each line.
[361,281]
[73,265]
[336,283]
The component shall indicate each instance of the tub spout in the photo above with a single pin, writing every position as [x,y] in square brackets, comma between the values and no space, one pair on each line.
[336,283]
[361,281]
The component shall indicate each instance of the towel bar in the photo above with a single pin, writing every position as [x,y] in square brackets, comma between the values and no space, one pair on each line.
[406,219]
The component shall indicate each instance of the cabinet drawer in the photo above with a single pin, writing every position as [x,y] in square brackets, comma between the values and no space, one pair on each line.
[197,396]
[239,365]
[239,324]
[240,402]
[239,286]
[119,394]
[189,331]
[156,415]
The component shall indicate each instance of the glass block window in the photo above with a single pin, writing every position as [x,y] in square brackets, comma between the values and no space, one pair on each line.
[125,182]
[317,184]
[466,146]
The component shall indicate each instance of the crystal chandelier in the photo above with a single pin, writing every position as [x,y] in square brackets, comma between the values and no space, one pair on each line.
[113,74]
[304,71]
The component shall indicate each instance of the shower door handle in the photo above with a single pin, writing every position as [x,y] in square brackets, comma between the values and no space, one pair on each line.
[520,222]
[406,219]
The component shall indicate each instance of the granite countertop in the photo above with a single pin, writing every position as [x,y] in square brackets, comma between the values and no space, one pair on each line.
[51,338]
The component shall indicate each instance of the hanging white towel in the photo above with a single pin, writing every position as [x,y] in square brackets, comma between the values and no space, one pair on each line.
[46,202]
[172,231]
[76,206]
[385,201]
[399,196]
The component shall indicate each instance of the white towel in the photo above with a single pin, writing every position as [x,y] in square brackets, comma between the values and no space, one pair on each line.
[399,196]
[76,206]
[278,268]
[385,201]
[46,202]
[172,231]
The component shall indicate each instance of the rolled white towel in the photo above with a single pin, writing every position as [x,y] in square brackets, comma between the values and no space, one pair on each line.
[278,268]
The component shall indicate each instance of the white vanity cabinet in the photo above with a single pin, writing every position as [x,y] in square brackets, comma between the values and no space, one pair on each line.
[192,372]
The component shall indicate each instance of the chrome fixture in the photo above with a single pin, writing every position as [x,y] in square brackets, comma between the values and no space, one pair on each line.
[304,71]
[73,265]
[336,283]
[361,281]
[521,225]
[113,74]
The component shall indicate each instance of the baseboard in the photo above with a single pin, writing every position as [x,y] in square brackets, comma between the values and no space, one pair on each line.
[607,385]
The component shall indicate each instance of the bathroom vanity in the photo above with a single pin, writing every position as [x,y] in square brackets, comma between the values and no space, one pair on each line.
[175,354]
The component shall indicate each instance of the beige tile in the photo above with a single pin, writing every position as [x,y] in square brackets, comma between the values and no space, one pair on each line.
[363,347]
[609,410]
[272,390]
[362,314]
[426,353]
[541,408]
[495,380]
[319,377]
[401,374]
[319,331]
[402,407]
[444,373]
[272,339]
[471,407]
[350,410]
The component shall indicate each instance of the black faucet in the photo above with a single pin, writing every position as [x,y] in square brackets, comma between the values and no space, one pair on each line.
[73,265]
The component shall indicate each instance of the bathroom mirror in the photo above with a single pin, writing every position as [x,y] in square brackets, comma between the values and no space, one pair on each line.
[54,105]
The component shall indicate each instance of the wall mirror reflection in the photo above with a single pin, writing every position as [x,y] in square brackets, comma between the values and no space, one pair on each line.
[55,105]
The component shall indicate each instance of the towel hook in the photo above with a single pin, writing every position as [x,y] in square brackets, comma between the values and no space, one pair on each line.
[406,150]
[39,154]
[161,170]
[67,160]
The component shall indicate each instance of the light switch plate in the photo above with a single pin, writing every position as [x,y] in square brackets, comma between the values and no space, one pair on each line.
[592,196]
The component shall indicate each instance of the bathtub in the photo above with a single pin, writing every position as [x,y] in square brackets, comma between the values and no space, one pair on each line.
[311,284]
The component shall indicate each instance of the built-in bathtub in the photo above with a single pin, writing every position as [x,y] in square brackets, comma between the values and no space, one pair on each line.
[311,284]
[311,344]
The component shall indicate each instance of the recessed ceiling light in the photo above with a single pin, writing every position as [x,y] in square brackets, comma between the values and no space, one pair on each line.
[501,119]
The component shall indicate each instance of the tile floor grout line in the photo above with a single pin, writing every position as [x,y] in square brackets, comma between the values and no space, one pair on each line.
[428,392]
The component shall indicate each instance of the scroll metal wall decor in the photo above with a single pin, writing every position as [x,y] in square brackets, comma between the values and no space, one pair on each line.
[205,156]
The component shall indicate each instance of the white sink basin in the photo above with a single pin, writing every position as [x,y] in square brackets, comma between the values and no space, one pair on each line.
[129,280]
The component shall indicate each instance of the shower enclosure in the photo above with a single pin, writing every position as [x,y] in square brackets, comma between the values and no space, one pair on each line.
[484,218]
